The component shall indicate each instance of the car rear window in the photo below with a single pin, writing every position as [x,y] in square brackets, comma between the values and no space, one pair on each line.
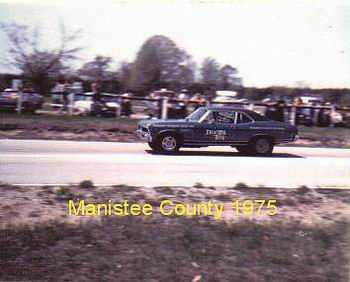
[258,117]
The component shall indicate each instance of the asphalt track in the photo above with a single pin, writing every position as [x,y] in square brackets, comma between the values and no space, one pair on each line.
[65,162]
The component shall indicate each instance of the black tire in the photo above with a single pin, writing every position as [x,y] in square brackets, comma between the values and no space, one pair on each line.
[167,143]
[262,146]
[245,150]
[152,146]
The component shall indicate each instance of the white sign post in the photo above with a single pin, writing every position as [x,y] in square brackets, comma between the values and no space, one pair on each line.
[19,101]
[17,85]
[164,107]
[71,103]
[293,113]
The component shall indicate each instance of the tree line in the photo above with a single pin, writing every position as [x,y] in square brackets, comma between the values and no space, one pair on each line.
[159,63]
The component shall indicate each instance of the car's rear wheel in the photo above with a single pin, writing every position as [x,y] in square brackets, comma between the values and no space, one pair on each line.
[262,146]
[168,143]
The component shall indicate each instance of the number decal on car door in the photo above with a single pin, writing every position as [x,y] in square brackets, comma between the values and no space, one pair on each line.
[219,135]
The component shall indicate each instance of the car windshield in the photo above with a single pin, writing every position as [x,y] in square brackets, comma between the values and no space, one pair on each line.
[197,114]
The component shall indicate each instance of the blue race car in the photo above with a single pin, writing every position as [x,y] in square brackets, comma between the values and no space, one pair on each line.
[247,131]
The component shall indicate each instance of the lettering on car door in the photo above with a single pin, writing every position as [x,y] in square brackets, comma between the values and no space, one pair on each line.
[225,126]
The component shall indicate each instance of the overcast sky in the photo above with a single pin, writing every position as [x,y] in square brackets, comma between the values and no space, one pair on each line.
[271,42]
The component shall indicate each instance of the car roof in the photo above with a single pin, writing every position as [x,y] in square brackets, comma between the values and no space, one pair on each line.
[252,114]
[226,108]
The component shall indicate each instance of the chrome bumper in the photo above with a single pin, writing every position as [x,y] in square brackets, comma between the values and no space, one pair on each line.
[288,140]
[144,135]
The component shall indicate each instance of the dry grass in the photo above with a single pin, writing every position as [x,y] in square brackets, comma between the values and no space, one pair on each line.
[307,241]
[66,128]
[177,249]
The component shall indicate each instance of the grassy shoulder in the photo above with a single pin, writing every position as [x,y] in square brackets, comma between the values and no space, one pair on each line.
[307,240]
[324,137]
[64,127]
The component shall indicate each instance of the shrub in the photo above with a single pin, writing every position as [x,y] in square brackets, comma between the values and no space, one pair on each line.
[303,190]
[241,185]
[198,185]
[86,184]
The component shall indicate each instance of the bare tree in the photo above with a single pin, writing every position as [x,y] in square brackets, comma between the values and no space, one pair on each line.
[124,74]
[228,78]
[38,65]
[210,72]
[97,69]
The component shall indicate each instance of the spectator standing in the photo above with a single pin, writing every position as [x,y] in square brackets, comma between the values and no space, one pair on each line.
[275,111]
[199,100]
[96,89]
[280,111]
[96,106]
[323,117]
[183,104]
[126,109]
[298,102]
[62,88]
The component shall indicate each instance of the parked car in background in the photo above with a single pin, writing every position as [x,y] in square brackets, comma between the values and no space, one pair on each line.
[337,119]
[304,116]
[326,117]
[225,96]
[84,105]
[30,101]
[311,100]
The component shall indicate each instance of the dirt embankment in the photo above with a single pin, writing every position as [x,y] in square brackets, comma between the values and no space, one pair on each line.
[307,240]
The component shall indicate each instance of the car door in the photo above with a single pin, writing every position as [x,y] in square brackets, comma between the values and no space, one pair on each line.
[204,128]
[224,127]
[243,132]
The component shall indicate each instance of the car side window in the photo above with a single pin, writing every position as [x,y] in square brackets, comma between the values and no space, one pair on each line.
[225,117]
[210,118]
[243,118]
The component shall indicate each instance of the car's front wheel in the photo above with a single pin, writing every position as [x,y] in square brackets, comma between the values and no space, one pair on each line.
[168,143]
[262,146]
[152,145]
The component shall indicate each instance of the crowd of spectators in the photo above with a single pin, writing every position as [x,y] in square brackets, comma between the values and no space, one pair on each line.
[181,104]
